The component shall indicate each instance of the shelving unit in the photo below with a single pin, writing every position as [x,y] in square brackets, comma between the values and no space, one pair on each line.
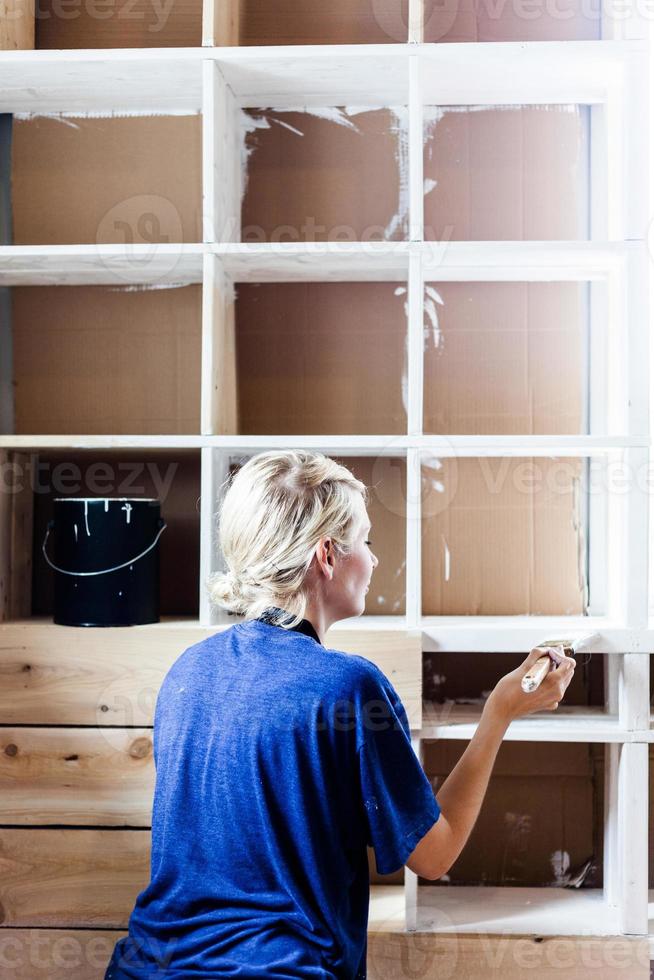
[600,88]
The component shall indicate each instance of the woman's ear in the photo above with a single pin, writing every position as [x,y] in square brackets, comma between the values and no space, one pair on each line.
[325,556]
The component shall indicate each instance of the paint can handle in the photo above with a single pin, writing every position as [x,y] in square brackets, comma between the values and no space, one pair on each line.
[102,571]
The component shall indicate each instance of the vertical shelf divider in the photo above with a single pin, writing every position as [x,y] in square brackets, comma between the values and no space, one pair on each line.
[214,473]
[221,158]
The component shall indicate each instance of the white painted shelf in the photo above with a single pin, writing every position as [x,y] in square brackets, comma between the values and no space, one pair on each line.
[514,911]
[566,724]
[368,445]
[515,634]
[108,264]
[170,79]
[101,265]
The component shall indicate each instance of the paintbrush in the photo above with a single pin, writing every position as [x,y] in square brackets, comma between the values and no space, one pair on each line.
[539,670]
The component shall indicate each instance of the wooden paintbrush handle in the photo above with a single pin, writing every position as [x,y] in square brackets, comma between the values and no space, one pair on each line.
[536,674]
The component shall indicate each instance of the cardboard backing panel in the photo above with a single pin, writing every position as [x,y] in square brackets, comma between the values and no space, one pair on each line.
[119,24]
[502,537]
[94,359]
[321,358]
[537,824]
[504,358]
[509,173]
[469,20]
[174,480]
[314,22]
[87,181]
[325,175]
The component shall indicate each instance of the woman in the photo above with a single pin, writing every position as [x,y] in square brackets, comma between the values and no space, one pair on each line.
[279,760]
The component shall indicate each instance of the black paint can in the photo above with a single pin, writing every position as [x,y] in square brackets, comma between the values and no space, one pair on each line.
[105,556]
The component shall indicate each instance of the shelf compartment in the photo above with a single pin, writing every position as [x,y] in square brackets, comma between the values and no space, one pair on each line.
[506,357]
[338,173]
[136,371]
[343,22]
[505,536]
[173,479]
[540,821]
[386,478]
[327,357]
[506,172]
[470,22]
[109,180]
[134,25]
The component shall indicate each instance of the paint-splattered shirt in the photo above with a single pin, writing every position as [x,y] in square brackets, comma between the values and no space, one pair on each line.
[278,760]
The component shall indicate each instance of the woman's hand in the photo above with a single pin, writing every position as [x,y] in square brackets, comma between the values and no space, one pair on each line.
[509,701]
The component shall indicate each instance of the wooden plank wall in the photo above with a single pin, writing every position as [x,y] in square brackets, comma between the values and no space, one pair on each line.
[77,778]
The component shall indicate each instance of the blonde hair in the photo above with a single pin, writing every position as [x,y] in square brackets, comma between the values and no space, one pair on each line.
[276,508]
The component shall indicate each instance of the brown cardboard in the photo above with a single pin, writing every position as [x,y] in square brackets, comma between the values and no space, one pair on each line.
[322,179]
[514,173]
[119,24]
[81,181]
[94,359]
[495,20]
[173,478]
[540,801]
[385,477]
[321,358]
[505,358]
[500,537]
[314,22]
[468,678]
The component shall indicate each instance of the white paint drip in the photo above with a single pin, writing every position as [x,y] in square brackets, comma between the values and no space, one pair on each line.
[433,462]
[446,558]
[381,600]
[288,126]
[75,526]
[428,186]
[438,678]
[405,376]
[141,288]
[86,517]
[400,291]
[560,861]
[332,114]
[433,298]
[106,506]
[127,507]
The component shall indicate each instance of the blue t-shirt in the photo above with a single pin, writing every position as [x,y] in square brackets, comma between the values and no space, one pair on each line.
[278,760]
